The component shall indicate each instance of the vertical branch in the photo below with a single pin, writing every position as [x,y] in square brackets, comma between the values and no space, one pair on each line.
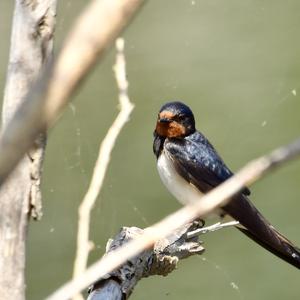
[31,46]
[126,107]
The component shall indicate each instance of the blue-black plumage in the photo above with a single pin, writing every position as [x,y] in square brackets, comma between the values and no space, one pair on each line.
[189,166]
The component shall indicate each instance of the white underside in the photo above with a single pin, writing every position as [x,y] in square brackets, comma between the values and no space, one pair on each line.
[184,192]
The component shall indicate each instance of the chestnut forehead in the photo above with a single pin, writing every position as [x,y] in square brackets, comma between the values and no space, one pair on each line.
[166,114]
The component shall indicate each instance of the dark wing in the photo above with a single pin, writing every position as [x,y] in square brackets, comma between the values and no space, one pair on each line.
[198,162]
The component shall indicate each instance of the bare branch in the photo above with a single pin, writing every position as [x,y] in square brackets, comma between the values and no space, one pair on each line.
[126,107]
[214,199]
[20,196]
[161,259]
[93,33]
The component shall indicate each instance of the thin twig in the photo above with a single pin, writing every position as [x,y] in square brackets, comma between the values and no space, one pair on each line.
[214,199]
[211,228]
[126,107]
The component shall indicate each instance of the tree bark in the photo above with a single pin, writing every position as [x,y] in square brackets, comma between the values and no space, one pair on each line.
[31,47]
[161,259]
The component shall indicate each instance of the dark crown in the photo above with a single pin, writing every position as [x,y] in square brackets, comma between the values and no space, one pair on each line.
[177,108]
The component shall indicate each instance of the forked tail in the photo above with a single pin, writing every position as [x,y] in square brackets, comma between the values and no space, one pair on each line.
[255,226]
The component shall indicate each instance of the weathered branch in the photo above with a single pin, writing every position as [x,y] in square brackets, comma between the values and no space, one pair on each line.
[161,259]
[216,198]
[126,107]
[92,35]
[110,290]
[20,196]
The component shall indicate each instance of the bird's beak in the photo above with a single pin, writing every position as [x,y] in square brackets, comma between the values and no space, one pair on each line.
[164,120]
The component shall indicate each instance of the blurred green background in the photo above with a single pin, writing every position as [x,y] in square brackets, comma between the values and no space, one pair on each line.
[237,64]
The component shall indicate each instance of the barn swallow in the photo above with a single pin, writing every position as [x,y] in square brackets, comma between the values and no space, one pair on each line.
[189,166]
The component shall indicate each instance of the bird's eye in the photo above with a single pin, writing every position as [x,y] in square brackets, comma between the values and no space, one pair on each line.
[179,118]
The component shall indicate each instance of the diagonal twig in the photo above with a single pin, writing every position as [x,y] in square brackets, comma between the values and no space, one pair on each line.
[214,199]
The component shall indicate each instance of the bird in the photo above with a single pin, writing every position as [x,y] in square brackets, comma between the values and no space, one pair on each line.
[189,166]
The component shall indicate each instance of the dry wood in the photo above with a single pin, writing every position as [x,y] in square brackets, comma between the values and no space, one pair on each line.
[161,259]
[111,290]
[31,46]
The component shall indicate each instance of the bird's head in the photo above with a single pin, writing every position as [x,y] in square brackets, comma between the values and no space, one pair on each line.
[175,120]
